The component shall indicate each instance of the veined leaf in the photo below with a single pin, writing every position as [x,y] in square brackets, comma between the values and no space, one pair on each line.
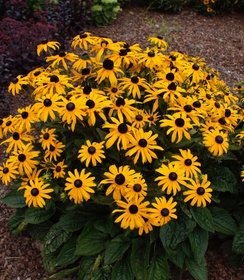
[122,270]
[158,269]
[238,242]
[199,243]
[38,215]
[14,199]
[203,217]
[197,270]
[67,253]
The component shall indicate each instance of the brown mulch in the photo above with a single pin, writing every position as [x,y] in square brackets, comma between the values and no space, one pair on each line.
[219,40]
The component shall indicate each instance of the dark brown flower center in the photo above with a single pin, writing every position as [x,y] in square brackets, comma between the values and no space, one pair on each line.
[219,139]
[227,113]
[82,36]
[34,192]
[108,64]
[16,136]
[70,106]
[104,43]
[58,168]
[172,57]
[77,183]
[8,123]
[52,148]
[133,209]
[24,115]
[62,54]
[142,143]
[87,89]
[195,66]
[188,108]
[47,102]
[188,162]
[90,103]
[172,86]
[21,157]
[54,79]
[139,117]
[120,102]
[114,90]
[91,150]
[160,37]
[217,105]
[122,128]
[173,176]
[165,212]
[151,54]
[123,52]
[170,76]
[5,170]
[119,179]
[134,79]
[208,96]
[46,136]
[222,121]
[137,187]
[200,191]
[15,80]
[85,71]
[179,122]
[196,104]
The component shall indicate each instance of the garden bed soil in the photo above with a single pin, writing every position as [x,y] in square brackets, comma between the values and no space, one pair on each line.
[219,40]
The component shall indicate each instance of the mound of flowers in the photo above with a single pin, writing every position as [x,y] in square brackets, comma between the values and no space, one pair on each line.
[123,163]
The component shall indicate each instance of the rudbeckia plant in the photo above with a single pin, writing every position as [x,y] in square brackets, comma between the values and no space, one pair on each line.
[126,161]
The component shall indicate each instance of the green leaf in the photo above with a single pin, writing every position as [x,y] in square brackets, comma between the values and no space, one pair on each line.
[140,257]
[199,243]
[90,241]
[116,248]
[39,215]
[238,242]
[175,232]
[104,224]
[203,217]
[158,269]
[55,237]
[72,221]
[197,270]
[61,274]
[39,231]
[177,257]
[223,222]
[49,262]
[17,223]
[222,179]
[122,270]
[86,265]
[14,199]
[67,253]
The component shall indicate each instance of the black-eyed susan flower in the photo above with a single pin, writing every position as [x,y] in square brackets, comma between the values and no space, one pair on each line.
[72,109]
[119,132]
[147,226]
[199,192]
[179,125]
[17,84]
[45,46]
[159,42]
[150,58]
[82,62]
[108,71]
[171,179]
[25,160]
[48,138]
[152,118]
[25,180]
[132,213]
[54,151]
[47,106]
[26,117]
[216,141]
[136,188]
[142,144]
[122,57]
[140,119]
[36,192]
[118,178]
[83,41]
[63,58]
[8,124]
[163,211]
[188,162]
[92,153]
[8,172]
[59,169]
[80,186]
[134,86]
[194,72]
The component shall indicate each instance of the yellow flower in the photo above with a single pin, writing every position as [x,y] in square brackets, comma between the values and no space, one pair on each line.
[17,84]
[59,170]
[45,45]
[159,42]
[8,172]
[62,58]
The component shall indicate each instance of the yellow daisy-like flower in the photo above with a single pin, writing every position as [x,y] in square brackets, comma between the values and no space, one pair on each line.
[54,151]
[91,153]
[72,109]
[198,192]
[171,179]
[151,58]
[62,58]
[132,213]
[45,46]
[118,178]
[216,141]
[26,117]
[17,84]
[187,161]
[47,106]
[48,138]
[118,131]
[36,193]
[159,42]
[136,189]
[59,170]
[83,41]
[179,125]
[194,72]
[80,186]
[8,124]
[142,144]
[32,176]
[8,172]
[147,226]
[163,211]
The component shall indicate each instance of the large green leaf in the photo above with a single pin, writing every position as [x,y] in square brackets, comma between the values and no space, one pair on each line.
[61,274]
[86,265]
[203,217]
[140,257]
[158,269]
[177,257]
[174,232]
[197,270]
[223,222]
[238,242]
[39,231]
[14,199]
[122,270]
[72,221]
[17,222]
[116,248]
[67,253]
[104,224]
[91,241]
[55,237]
[222,179]
[199,243]
[39,215]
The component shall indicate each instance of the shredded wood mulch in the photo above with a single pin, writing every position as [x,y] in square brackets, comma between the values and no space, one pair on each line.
[219,40]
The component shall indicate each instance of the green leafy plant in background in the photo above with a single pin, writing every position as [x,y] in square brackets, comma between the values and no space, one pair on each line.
[127,162]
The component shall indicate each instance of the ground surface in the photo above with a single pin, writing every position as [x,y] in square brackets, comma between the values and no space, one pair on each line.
[219,40]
